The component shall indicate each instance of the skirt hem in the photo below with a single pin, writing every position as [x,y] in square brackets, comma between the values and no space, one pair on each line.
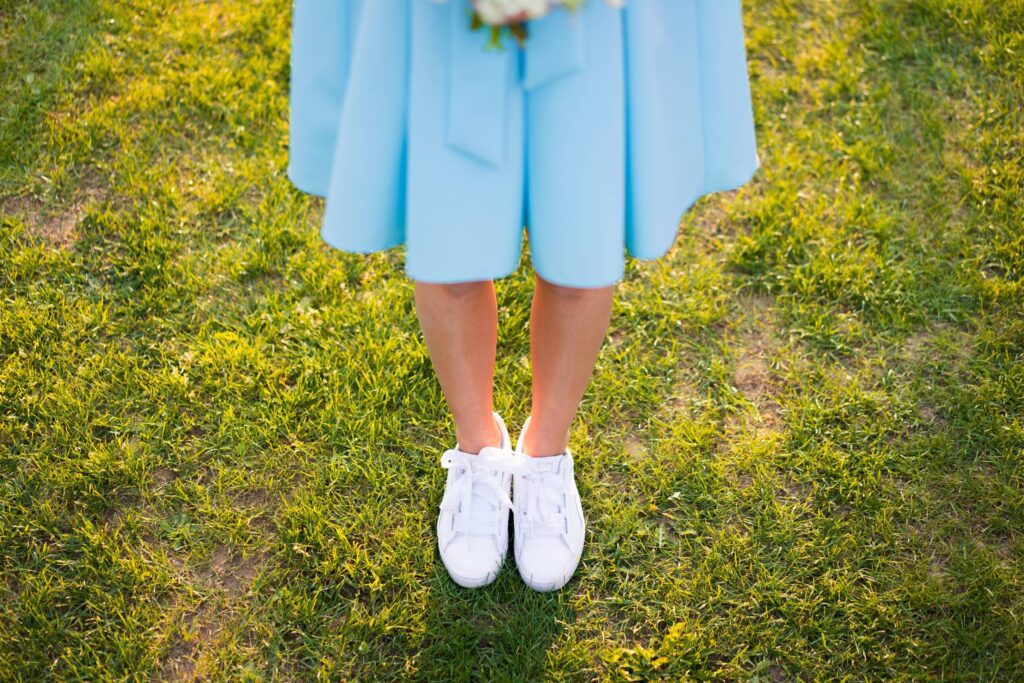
[638,254]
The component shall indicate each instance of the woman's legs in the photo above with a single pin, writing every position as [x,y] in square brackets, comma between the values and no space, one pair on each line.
[567,327]
[460,328]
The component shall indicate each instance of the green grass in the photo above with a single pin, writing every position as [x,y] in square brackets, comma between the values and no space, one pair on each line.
[801,455]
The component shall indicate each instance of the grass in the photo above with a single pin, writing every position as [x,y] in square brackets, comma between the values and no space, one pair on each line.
[801,456]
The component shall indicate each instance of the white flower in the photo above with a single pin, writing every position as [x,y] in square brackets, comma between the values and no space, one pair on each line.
[502,12]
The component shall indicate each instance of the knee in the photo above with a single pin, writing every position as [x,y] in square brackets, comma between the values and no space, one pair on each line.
[456,290]
[574,294]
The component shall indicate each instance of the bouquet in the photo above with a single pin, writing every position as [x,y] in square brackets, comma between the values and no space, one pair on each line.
[501,16]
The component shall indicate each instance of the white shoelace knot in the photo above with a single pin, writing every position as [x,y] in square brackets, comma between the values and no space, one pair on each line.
[476,498]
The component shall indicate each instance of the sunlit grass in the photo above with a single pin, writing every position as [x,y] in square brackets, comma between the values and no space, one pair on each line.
[801,455]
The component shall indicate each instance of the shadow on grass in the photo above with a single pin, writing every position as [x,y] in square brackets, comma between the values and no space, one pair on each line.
[52,36]
[501,631]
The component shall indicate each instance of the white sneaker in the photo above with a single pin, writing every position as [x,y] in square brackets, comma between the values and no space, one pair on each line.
[549,522]
[472,528]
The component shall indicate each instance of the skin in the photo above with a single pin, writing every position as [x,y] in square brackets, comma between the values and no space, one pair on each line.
[567,327]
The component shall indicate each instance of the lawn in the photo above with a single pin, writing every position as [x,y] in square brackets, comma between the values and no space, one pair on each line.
[801,457]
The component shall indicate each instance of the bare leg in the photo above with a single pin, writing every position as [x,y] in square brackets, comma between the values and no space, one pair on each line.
[460,328]
[567,327]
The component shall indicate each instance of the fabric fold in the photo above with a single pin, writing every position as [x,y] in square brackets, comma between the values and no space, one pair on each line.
[556,47]
[477,121]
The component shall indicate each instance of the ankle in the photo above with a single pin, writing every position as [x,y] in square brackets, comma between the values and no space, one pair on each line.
[542,440]
[478,437]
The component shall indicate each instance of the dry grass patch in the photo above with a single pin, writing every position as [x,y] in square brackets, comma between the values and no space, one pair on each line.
[55,226]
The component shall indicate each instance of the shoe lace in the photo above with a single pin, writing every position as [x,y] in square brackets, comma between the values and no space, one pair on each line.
[475,497]
[545,508]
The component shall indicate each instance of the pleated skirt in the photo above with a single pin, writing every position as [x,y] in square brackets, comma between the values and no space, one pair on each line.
[596,137]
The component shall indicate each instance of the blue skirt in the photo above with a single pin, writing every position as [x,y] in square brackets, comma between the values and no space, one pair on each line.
[597,136]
